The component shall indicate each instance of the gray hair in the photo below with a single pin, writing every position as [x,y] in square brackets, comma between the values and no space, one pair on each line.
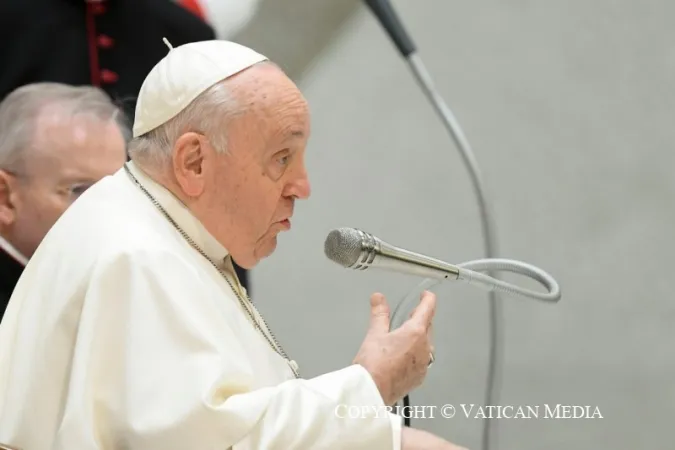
[207,114]
[20,110]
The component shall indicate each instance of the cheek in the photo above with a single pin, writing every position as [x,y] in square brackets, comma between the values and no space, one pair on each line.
[247,201]
[40,210]
[262,206]
[259,210]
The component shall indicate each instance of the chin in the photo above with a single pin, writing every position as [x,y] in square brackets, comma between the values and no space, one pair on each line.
[246,261]
[266,249]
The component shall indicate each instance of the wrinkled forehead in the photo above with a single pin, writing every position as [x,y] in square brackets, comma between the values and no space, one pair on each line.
[273,105]
[268,91]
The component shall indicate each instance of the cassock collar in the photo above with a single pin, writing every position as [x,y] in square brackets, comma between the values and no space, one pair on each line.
[180,214]
[12,251]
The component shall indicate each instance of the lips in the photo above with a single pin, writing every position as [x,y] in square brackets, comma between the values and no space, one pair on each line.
[286,223]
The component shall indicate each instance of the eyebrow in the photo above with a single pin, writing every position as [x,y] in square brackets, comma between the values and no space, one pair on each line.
[75,179]
[293,134]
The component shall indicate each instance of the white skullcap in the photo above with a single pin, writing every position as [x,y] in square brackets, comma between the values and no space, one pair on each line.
[184,73]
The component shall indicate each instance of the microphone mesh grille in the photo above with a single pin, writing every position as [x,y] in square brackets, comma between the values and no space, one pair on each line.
[343,246]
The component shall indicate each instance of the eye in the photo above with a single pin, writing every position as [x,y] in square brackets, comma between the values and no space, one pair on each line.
[279,163]
[284,158]
[79,189]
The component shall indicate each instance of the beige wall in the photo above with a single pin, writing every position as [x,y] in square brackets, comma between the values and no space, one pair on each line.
[293,32]
[570,107]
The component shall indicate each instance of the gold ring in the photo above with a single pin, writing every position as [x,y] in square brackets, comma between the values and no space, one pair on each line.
[432,358]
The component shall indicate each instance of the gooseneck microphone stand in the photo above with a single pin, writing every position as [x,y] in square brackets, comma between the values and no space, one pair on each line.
[389,20]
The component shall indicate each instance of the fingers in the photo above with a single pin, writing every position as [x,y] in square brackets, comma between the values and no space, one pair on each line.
[423,315]
[379,314]
[432,355]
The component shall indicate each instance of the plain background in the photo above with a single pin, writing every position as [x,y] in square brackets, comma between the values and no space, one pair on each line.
[569,108]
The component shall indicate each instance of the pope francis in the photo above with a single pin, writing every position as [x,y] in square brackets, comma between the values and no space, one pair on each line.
[129,329]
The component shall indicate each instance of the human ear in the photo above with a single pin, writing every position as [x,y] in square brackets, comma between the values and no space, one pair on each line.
[188,163]
[7,208]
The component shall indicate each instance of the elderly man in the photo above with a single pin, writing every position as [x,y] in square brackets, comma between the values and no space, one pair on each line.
[55,142]
[110,44]
[129,328]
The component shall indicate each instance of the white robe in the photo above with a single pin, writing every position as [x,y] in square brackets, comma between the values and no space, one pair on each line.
[120,335]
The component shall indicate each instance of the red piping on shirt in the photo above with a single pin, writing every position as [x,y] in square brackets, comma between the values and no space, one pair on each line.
[194,7]
[94,68]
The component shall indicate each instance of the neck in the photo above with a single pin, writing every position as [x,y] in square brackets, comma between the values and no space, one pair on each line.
[166,179]
[162,175]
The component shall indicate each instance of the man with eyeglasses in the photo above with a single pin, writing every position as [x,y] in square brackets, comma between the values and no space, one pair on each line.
[55,142]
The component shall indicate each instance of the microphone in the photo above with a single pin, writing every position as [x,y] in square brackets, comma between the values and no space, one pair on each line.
[358,250]
[355,249]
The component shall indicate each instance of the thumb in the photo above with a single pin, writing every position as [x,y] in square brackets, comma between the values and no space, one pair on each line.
[379,314]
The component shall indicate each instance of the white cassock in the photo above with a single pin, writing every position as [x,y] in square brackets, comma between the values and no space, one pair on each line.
[120,335]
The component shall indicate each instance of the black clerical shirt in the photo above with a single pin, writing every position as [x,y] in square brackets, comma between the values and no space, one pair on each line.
[10,271]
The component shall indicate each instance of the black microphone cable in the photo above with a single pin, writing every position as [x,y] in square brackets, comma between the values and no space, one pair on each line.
[406,407]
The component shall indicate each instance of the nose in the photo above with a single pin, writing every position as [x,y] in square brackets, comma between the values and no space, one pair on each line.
[303,189]
[300,187]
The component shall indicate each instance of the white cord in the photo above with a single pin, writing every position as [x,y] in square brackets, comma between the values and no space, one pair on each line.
[470,273]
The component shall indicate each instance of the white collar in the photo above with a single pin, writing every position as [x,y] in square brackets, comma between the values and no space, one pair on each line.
[180,214]
[12,251]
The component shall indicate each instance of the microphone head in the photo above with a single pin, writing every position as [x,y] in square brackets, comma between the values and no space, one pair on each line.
[343,246]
